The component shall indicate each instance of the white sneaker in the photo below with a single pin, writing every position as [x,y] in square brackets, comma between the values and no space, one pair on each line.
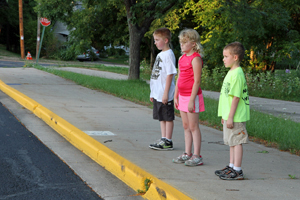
[194,161]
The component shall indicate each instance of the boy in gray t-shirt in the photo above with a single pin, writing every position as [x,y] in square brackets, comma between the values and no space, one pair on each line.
[162,85]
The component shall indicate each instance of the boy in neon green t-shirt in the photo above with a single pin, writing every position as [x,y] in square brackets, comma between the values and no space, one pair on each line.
[235,110]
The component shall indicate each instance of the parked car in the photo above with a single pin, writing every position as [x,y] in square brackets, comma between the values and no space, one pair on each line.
[90,54]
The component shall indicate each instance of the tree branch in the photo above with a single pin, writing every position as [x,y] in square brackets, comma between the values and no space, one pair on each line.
[147,22]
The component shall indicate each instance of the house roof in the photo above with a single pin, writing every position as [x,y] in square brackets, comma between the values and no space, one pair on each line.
[64,33]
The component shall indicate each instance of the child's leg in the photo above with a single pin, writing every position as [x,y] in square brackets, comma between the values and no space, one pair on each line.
[163,129]
[231,159]
[238,155]
[169,129]
[193,119]
[187,133]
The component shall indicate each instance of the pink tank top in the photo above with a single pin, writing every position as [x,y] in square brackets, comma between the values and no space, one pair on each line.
[186,76]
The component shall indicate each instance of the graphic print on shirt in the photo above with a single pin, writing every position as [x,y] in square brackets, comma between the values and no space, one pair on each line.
[245,95]
[156,69]
[225,88]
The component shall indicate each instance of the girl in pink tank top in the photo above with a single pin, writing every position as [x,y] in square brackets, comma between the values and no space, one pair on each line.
[188,98]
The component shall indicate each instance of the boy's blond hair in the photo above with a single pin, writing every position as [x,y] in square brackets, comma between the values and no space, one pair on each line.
[192,35]
[163,32]
[236,48]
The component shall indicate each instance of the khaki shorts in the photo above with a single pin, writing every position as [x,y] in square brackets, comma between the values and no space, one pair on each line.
[237,135]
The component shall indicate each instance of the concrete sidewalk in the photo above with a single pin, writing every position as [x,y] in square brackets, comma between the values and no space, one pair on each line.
[127,129]
[284,109]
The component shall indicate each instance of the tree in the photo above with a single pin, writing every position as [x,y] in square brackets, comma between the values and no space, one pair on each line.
[3,5]
[91,23]
[269,29]
[99,25]
[9,20]
[176,20]
[105,20]
[263,26]
[140,15]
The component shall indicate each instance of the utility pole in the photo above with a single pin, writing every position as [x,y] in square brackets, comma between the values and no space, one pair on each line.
[38,35]
[21,29]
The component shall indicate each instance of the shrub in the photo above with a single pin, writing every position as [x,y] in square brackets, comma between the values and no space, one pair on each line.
[116,52]
[283,84]
[213,80]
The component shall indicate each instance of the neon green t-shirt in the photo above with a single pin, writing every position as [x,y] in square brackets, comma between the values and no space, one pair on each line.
[234,84]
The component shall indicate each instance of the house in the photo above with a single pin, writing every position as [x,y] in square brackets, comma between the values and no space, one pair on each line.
[60,31]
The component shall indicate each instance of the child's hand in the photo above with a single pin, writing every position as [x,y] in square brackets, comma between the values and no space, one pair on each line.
[165,98]
[176,103]
[229,123]
[222,121]
[151,99]
[191,106]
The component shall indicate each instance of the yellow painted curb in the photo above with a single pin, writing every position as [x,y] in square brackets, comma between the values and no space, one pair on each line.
[126,171]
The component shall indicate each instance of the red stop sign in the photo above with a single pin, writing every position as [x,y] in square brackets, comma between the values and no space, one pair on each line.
[45,22]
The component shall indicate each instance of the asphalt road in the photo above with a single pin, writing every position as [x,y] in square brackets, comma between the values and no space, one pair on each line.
[18,64]
[89,173]
[29,170]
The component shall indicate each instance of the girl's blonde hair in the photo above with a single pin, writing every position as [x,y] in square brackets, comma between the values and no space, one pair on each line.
[192,35]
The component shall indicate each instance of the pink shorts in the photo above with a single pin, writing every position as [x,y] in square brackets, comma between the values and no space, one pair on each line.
[184,103]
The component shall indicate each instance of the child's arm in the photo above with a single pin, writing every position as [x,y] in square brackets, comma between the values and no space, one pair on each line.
[176,94]
[197,68]
[167,88]
[234,104]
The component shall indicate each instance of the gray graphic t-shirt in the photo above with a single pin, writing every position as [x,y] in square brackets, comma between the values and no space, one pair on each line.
[164,65]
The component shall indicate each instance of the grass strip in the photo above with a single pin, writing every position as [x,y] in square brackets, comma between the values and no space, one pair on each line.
[137,91]
[101,67]
[265,128]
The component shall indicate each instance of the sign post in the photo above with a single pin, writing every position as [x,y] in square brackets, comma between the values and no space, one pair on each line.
[45,22]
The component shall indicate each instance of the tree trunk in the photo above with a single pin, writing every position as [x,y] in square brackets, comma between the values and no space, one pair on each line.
[136,33]
[152,55]
[134,52]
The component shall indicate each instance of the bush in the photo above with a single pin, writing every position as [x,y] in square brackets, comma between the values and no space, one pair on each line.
[116,52]
[283,84]
[50,45]
[213,80]
[145,69]
[66,54]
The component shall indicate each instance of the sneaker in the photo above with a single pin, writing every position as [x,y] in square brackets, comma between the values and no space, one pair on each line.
[163,145]
[223,171]
[232,175]
[155,143]
[182,158]
[194,161]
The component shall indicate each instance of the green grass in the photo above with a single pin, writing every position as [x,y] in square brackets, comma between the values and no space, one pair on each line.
[118,70]
[134,90]
[4,52]
[116,60]
[284,133]
[101,67]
